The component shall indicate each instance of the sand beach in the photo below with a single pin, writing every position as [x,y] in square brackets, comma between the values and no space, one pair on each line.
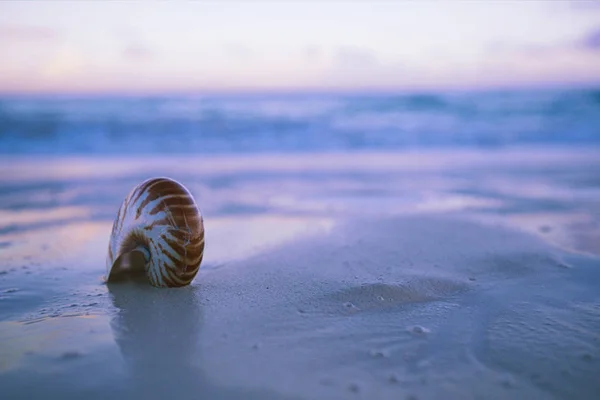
[390,275]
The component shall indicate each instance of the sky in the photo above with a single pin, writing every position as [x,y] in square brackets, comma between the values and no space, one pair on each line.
[151,46]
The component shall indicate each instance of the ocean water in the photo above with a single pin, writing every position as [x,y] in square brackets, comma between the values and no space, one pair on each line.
[258,123]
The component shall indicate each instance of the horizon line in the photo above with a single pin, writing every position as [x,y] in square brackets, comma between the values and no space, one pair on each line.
[307,90]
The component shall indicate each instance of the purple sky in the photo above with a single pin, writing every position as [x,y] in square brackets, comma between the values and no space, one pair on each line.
[228,45]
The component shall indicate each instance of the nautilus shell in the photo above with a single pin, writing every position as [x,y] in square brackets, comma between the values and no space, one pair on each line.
[159,233]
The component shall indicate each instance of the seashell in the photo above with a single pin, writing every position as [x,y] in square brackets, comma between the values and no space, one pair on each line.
[158,233]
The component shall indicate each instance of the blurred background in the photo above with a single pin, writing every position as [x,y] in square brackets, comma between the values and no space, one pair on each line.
[230,77]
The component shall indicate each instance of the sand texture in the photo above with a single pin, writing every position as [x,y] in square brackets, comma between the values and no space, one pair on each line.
[367,276]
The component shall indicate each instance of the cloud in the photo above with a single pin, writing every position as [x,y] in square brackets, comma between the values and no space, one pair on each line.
[360,68]
[528,49]
[135,48]
[67,61]
[312,53]
[137,52]
[27,33]
[585,5]
[591,41]
[238,51]
[355,57]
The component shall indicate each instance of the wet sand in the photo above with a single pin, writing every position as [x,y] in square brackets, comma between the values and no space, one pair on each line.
[450,275]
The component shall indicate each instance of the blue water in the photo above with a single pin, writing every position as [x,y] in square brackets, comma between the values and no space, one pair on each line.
[296,122]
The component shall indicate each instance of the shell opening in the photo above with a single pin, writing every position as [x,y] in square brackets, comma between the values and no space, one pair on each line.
[130,266]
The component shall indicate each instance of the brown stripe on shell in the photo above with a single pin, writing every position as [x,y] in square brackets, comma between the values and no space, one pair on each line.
[190,253]
[164,251]
[177,247]
[194,265]
[192,270]
[160,188]
[174,278]
[179,234]
[173,202]
[120,216]
[164,275]
[187,222]
[159,222]
[166,221]
[141,189]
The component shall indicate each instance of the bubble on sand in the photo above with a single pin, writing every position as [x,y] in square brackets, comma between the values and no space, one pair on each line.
[326,381]
[373,296]
[508,382]
[418,330]
[69,355]
[354,388]
[379,353]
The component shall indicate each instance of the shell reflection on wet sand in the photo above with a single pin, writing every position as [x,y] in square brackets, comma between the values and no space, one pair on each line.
[143,329]
[158,333]
[159,231]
